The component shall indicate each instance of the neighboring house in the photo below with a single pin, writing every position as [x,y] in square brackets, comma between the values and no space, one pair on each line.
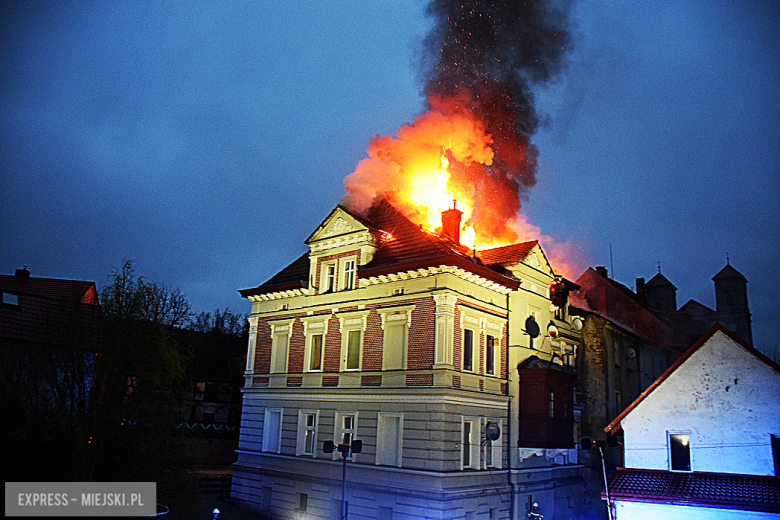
[703,440]
[419,347]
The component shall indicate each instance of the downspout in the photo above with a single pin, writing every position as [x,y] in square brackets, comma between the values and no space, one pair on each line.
[509,420]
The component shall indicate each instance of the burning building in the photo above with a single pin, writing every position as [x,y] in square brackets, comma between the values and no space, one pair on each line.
[452,366]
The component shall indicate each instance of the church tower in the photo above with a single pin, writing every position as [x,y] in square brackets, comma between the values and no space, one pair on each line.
[661,295]
[731,304]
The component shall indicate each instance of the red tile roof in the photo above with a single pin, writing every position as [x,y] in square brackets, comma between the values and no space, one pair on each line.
[404,246]
[614,426]
[747,492]
[506,254]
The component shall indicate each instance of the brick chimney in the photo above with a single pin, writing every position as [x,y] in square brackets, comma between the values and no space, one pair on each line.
[22,274]
[450,223]
[640,291]
[602,270]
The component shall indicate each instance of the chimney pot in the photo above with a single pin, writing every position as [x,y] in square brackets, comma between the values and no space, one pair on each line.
[640,291]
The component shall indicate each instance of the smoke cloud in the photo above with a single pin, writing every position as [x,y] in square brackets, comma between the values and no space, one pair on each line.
[482,60]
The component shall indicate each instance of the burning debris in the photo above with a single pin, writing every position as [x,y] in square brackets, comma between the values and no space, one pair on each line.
[473,144]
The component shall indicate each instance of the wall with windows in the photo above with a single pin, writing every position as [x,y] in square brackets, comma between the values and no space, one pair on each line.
[716,412]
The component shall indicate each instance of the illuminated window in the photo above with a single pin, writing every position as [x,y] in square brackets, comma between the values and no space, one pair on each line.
[315,352]
[353,350]
[468,350]
[279,348]
[679,452]
[490,355]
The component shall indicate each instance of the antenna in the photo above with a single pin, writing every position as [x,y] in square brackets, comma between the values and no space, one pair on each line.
[727,258]
[611,265]
[659,266]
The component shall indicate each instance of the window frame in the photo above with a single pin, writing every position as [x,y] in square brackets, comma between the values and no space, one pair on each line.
[467,332]
[495,448]
[381,439]
[303,429]
[469,445]
[349,276]
[348,346]
[670,450]
[280,330]
[267,436]
[310,351]
[350,323]
[339,430]
[490,354]
[328,276]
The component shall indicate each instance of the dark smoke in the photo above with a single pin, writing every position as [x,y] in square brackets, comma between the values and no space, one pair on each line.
[484,57]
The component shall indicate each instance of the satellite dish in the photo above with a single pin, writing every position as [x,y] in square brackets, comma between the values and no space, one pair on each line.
[552,330]
[577,324]
[531,327]
[492,431]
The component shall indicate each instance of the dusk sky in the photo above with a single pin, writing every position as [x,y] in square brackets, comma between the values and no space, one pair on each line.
[207,140]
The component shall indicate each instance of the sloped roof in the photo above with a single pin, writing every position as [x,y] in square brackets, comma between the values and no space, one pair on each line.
[50,312]
[615,424]
[54,288]
[747,492]
[504,255]
[727,273]
[659,280]
[403,246]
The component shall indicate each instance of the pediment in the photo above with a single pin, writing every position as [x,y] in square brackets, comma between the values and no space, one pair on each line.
[337,224]
[538,260]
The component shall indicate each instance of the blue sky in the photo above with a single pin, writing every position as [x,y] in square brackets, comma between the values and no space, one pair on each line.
[207,140]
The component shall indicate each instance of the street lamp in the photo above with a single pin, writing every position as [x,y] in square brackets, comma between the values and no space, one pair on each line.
[344,449]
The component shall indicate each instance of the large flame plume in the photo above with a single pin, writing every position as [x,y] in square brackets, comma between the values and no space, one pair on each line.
[473,144]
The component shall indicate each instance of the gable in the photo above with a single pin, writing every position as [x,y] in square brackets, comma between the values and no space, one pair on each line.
[338,224]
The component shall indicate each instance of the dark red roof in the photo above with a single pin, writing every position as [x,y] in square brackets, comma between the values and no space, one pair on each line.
[50,312]
[506,254]
[55,288]
[404,246]
[748,492]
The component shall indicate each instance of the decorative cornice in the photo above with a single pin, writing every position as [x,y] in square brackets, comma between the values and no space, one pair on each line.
[361,238]
[291,293]
[433,271]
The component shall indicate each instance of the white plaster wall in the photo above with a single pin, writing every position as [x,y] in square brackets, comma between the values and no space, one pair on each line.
[725,398]
[643,511]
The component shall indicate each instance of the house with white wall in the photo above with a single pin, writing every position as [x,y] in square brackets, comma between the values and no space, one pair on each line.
[703,441]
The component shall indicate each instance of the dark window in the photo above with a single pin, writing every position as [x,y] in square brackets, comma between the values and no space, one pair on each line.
[776,453]
[680,452]
[490,353]
[468,350]
[10,299]
[210,395]
[303,501]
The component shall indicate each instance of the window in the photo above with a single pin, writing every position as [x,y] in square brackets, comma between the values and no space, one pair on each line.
[315,352]
[307,432]
[552,405]
[346,428]
[616,351]
[395,342]
[279,348]
[618,401]
[272,430]
[490,355]
[470,444]
[349,274]
[389,438]
[329,277]
[303,502]
[353,350]
[493,448]
[679,452]
[776,453]
[468,350]
[10,299]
